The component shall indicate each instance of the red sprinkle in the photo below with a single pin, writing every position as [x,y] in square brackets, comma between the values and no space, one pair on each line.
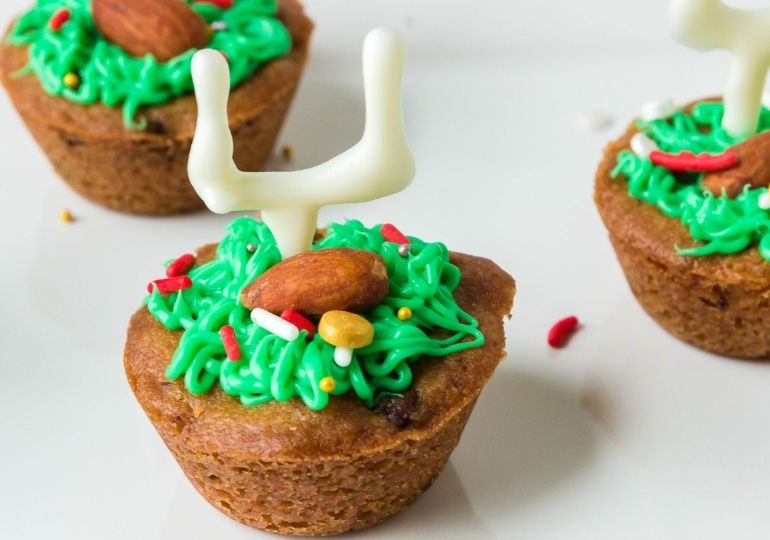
[224,4]
[230,342]
[299,320]
[390,233]
[687,161]
[560,332]
[58,19]
[169,285]
[181,266]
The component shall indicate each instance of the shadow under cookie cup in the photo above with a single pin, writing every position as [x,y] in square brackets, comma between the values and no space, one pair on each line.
[145,172]
[719,303]
[284,468]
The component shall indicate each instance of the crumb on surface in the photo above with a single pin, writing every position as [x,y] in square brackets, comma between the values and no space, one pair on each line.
[287,152]
[593,120]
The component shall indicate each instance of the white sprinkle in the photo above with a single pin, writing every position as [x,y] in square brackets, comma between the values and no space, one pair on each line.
[343,356]
[642,145]
[764,201]
[274,324]
[593,121]
[654,110]
[218,26]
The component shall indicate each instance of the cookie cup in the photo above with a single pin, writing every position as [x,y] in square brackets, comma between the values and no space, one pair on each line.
[719,303]
[145,172]
[284,468]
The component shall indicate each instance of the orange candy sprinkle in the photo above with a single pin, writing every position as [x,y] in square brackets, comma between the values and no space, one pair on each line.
[71,80]
[66,216]
[327,384]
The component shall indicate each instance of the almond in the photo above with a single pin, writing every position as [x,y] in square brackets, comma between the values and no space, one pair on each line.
[162,28]
[753,168]
[315,282]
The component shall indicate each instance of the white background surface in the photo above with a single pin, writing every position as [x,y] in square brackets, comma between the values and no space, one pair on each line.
[625,434]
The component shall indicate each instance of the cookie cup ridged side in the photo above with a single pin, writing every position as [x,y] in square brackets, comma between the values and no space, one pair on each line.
[284,468]
[145,172]
[320,496]
[719,303]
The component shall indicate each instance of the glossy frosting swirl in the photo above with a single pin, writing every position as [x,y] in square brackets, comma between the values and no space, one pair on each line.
[722,225]
[274,369]
[252,35]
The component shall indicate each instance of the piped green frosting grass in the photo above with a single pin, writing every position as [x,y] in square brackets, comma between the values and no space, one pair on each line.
[722,225]
[274,369]
[109,75]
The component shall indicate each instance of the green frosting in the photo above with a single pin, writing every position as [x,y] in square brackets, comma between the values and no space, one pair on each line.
[271,368]
[109,75]
[722,225]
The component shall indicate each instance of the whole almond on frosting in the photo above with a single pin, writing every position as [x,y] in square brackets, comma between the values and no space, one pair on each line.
[162,28]
[753,168]
[315,282]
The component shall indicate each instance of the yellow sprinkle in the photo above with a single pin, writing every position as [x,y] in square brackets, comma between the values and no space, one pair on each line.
[71,80]
[404,313]
[287,152]
[66,216]
[327,384]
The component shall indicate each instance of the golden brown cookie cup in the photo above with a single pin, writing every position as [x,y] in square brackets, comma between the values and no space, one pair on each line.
[719,303]
[145,172]
[284,468]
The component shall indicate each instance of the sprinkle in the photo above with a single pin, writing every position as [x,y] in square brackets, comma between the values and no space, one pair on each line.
[251,247]
[561,332]
[71,80]
[343,356]
[218,26]
[764,200]
[58,19]
[327,384]
[230,342]
[287,151]
[66,216]
[274,324]
[300,321]
[657,110]
[390,233]
[643,146]
[404,313]
[687,161]
[181,266]
[170,285]
[224,4]
[404,249]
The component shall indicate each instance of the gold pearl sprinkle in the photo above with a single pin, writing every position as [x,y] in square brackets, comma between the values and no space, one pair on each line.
[66,216]
[327,384]
[71,80]
[404,313]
